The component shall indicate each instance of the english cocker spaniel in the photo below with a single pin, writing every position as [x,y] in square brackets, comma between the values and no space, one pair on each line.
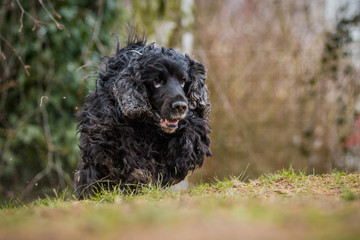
[146,122]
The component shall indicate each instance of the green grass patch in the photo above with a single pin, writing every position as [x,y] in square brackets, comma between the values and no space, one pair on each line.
[285,204]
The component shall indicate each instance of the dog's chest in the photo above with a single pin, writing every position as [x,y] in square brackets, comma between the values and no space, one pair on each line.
[154,144]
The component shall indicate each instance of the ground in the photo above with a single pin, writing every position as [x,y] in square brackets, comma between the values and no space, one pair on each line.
[283,205]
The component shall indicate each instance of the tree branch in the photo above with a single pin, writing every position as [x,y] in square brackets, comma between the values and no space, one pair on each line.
[59,26]
[51,148]
[26,67]
[37,23]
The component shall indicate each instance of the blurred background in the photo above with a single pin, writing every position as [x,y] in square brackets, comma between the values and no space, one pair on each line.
[283,78]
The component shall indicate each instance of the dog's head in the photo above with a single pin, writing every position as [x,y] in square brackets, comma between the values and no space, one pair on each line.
[164,84]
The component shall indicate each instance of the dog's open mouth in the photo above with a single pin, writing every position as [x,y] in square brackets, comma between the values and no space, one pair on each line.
[169,126]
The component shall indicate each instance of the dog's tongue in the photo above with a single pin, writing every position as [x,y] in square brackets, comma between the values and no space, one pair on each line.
[172,122]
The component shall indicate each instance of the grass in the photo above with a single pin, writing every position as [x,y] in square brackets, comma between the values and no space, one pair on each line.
[282,205]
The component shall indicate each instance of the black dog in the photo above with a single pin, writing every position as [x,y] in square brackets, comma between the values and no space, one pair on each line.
[147,120]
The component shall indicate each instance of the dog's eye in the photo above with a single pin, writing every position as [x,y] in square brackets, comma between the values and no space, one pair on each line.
[157,82]
[183,81]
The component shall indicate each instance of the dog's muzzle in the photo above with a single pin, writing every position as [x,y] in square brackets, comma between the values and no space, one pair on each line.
[178,112]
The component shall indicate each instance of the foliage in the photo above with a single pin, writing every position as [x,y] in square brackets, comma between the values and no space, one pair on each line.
[38,104]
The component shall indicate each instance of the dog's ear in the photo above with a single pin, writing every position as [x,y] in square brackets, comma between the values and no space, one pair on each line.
[198,92]
[132,94]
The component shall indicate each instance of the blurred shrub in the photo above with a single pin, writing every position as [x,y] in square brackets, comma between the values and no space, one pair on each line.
[38,104]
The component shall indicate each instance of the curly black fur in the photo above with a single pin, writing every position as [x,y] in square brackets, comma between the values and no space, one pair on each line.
[147,120]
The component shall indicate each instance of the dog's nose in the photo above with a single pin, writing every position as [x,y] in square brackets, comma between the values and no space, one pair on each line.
[180,106]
